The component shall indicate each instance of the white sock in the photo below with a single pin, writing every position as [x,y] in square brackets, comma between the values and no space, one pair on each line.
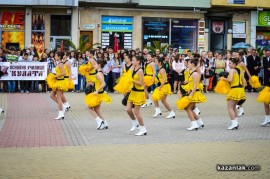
[66,104]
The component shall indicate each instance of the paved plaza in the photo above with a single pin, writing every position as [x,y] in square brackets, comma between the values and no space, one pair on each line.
[35,145]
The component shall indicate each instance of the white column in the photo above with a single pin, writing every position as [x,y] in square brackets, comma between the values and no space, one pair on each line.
[28,27]
[253,25]
[75,26]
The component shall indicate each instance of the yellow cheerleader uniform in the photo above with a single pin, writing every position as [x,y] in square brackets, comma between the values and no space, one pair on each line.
[197,97]
[148,75]
[125,83]
[60,83]
[137,95]
[237,91]
[50,80]
[264,95]
[165,90]
[69,82]
[186,87]
[92,100]
[91,76]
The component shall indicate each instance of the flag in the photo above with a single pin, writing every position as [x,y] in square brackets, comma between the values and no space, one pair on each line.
[62,46]
[115,47]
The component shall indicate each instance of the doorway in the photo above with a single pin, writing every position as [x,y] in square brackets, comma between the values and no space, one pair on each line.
[55,41]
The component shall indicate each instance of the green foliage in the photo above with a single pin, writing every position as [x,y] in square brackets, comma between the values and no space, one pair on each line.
[157,45]
[260,50]
[82,45]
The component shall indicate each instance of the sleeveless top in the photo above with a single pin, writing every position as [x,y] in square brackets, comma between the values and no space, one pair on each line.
[237,82]
[160,79]
[191,82]
[148,71]
[93,71]
[98,84]
[136,77]
[58,72]
[127,68]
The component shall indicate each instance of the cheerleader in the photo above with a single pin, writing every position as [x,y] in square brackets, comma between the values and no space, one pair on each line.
[91,71]
[127,67]
[237,92]
[93,100]
[136,97]
[59,86]
[264,97]
[149,78]
[161,92]
[181,91]
[195,95]
[68,78]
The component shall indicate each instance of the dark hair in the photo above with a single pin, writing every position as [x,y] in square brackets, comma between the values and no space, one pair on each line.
[138,58]
[234,60]
[196,55]
[59,54]
[35,56]
[160,59]
[67,53]
[101,62]
[195,61]
[187,60]
[25,54]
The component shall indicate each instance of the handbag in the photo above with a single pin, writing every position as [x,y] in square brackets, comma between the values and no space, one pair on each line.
[125,99]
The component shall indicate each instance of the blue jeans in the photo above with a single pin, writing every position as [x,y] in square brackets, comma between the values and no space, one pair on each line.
[11,86]
[80,83]
[24,85]
[115,77]
[106,79]
[34,86]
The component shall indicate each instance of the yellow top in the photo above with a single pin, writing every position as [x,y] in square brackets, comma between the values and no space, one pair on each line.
[186,74]
[191,82]
[58,72]
[149,70]
[236,80]
[125,69]
[240,68]
[90,66]
[98,84]
[161,79]
[136,77]
[66,70]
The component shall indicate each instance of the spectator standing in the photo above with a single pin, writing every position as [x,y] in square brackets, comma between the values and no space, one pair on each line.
[12,57]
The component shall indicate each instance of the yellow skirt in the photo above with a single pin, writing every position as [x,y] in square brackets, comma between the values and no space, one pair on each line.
[60,85]
[125,84]
[236,94]
[137,98]
[148,80]
[222,87]
[198,97]
[158,94]
[70,83]
[187,88]
[82,70]
[264,95]
[92,100]
[182,103]
[51,80]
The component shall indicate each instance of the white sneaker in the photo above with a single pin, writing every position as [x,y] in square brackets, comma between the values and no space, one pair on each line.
[148,102]
[171,115]
[197,111]
[151,92]
[142,131]
[60,115]
[106,126]
[100,123]
[200,123]
[135,125]
[241,112]
[1,111]
[144,105]
[237,107]
[193,126]
[157,113]
[234,125]
[266,121]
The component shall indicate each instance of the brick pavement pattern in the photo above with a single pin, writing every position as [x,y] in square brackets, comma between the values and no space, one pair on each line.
[30,141]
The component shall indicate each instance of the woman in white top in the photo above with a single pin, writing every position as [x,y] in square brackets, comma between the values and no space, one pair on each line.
[178,66]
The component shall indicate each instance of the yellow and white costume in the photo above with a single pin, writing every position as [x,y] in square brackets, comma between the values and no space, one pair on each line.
[148,75]
[237,91]
[60,83]
[125,83]
[67,80]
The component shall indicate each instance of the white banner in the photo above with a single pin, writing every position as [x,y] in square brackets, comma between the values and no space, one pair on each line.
[24,70]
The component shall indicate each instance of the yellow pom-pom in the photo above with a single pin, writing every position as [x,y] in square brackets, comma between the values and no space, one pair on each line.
[254,82]
[186,87]
[182,103]
[51,80]
[148,81]
[222,87]
[264,96]
[125,83]
[83,69]
[70,85]
[157,94]
[200,86]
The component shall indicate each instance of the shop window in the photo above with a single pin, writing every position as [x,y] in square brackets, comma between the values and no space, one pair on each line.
[61,25]
[38,32]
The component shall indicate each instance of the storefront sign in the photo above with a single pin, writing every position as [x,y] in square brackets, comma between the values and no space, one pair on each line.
[89,26]
[239,27]
[24,70]
[116,28]
[264,18]
[239,36]
[12,20]
[116,20]
[236,1]
[218,27]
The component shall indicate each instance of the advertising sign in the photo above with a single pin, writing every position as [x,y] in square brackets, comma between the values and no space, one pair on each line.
[264,18]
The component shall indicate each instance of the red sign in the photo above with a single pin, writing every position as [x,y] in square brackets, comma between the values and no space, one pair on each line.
[12,20]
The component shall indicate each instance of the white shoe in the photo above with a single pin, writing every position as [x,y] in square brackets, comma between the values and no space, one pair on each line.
[60,115]
[144,105]
[171,115]
[234,125]
[237,107]
[157,113]
[148,102]
[200,123]
[197,111]
[67,106]
[135,125]
[100,123]
[266,121]
[142,131]
[106,126]
[193,126]
[1,111]
[241,112]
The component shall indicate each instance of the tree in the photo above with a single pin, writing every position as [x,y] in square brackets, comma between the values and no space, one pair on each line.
[82,45]
[157,45]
